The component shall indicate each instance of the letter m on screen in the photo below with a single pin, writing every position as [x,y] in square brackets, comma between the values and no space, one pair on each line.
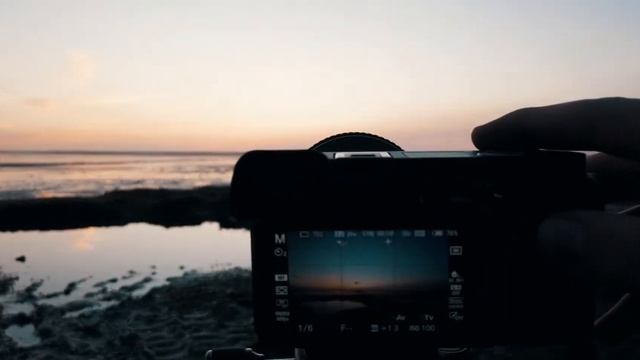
[280,239]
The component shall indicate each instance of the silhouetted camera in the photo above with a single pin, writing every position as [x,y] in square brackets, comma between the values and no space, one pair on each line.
[357,244]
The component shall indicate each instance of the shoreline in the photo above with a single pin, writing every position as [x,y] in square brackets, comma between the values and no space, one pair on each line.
[164,207]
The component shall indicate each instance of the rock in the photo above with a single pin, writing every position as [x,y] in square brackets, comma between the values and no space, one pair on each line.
[45,332]
[21,259]
[28,294]
[77,305]
[136,286]
[6,282]
[105,282]
[129,340]
[19,319]
[130,274]
[171,321]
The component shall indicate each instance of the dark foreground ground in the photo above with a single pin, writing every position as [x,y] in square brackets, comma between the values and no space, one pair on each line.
[154,206]
[180,320]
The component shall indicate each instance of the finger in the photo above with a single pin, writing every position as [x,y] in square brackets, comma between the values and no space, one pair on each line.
[610,125]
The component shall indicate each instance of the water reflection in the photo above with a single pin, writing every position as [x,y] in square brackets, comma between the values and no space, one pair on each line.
[74,263]
[84,240]
[23,335]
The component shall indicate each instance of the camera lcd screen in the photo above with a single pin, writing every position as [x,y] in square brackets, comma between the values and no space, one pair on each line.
[370,281]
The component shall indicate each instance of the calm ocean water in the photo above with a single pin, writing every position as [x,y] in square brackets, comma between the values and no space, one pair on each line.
[47,174]
[127,253]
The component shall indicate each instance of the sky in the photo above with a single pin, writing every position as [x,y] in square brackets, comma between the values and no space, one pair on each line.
[237,75]
[393,263]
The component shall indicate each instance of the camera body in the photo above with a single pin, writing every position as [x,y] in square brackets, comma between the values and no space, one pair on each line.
[411,249]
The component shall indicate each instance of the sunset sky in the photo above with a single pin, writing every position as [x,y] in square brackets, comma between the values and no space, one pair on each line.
[362,263]
[235,75]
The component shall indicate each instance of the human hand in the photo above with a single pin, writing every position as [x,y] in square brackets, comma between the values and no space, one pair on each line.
[608,242]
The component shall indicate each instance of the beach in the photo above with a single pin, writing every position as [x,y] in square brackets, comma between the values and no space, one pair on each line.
[180,320]
[120,255]
[175,293]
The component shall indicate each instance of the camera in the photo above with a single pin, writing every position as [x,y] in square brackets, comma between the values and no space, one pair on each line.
[357,244]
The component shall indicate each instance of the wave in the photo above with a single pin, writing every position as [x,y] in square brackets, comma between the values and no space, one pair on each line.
[58,164]
[27,176]
[95,163]
[121,153]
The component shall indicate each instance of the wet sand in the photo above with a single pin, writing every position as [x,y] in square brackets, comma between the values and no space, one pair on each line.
[180,320]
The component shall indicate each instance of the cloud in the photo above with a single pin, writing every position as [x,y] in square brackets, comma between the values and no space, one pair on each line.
[39,103]
[81,65]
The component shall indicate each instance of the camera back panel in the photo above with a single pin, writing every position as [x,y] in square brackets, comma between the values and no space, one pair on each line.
[410,248]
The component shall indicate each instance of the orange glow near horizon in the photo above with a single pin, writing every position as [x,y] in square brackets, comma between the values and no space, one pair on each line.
[238,75]
[123,134]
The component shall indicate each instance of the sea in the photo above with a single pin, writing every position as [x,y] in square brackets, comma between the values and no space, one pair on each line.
[41,174]
[52,261]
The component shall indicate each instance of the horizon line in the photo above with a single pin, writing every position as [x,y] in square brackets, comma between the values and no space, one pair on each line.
[122,152]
